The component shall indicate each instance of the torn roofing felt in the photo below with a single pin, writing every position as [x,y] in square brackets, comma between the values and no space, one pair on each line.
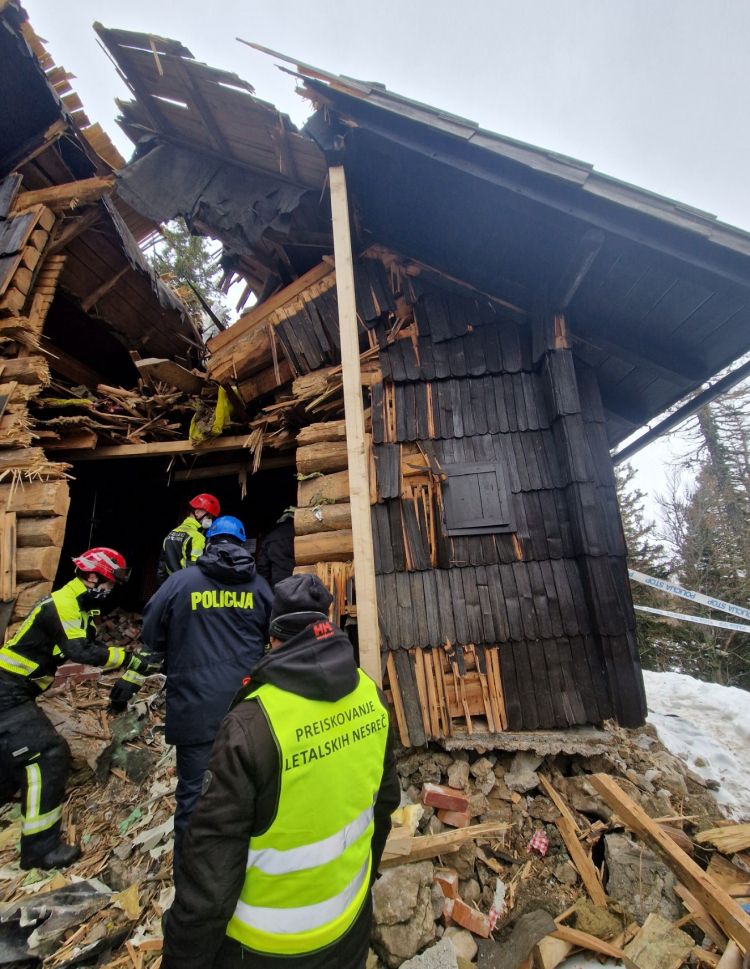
[169,181]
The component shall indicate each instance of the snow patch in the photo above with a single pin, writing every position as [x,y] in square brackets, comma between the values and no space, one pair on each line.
[707,726]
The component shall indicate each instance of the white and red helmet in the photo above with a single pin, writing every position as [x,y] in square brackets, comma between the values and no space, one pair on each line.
[207,503]
[105,562]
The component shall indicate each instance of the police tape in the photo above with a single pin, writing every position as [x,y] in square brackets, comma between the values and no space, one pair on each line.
[678,590]
[699,619]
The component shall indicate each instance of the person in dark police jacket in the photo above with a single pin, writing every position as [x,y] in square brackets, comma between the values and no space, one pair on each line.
[285,842]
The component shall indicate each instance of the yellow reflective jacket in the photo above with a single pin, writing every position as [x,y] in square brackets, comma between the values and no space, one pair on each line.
[57,629]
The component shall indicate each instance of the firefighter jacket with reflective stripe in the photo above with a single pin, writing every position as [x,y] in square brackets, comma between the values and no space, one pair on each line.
[57,629]
[182,547]
[308,874]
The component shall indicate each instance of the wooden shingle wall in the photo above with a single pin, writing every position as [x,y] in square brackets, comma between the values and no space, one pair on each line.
[548,599]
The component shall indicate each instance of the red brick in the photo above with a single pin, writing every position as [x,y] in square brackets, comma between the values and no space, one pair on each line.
[76,672]
[436,795]
[447,881]
[467,917]
[456,819]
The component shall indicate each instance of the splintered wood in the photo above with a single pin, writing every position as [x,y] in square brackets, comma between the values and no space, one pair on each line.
[459,691]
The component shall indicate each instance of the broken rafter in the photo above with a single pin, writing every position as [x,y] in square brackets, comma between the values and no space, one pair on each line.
[581,262]
[70,230]
[103,289]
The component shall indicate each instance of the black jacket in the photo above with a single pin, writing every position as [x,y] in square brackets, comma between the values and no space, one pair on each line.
[240,799]
[211,621]
[276,555]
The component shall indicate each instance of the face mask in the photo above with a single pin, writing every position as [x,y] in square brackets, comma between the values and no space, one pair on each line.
[206,522]
[97,594]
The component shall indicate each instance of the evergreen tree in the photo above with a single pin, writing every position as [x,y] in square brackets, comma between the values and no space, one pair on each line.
[186,262]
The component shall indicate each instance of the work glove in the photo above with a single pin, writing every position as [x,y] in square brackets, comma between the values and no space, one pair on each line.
[119,695]
[144,663]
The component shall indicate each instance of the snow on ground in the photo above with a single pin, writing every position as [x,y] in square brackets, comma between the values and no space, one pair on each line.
[707,726]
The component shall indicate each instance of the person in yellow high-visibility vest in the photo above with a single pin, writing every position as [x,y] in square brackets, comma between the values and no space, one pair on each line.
[286,839]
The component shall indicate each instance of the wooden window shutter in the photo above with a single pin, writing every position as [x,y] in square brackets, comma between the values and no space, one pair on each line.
[476,499]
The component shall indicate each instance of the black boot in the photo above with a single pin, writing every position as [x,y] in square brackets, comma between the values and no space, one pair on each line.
[60,856]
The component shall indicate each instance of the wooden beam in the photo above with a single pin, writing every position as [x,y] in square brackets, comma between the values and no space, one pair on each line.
[585,941]
[733,921]
[235,468]
[368,632]
[70,230]
[258,313]
[70,195]
[33,146]
[105,287]
[162,448]
[588,248]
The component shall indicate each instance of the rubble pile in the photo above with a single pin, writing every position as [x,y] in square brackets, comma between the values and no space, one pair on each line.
[495,858]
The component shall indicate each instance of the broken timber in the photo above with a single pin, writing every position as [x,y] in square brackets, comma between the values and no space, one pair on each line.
[733,921]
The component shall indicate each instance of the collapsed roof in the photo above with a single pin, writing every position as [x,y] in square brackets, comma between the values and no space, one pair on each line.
[657,294]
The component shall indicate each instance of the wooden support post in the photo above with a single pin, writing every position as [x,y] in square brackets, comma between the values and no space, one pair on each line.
[359,486]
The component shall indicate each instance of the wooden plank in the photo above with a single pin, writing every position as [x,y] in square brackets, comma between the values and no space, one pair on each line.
[585,941]
[733,921]
[157,448]
[171,373]
[324,547]
[398,704]
[701,917]
[368,632]
[8,572]
[729,839]
[431,845]
[259,313]
[81,439]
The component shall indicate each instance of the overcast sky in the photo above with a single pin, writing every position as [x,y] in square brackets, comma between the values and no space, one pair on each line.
[650,91]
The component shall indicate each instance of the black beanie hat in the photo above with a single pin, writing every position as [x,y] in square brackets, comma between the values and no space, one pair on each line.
[300,593]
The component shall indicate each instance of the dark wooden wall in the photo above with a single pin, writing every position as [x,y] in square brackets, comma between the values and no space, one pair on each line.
[465,386]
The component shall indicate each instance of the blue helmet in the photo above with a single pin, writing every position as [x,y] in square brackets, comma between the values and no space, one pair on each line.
[227,525]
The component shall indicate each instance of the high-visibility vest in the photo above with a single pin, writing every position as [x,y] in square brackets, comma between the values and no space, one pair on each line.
[192,530]
[308,875]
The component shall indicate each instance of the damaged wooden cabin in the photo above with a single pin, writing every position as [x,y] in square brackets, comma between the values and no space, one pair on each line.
[76,298]
[517,316]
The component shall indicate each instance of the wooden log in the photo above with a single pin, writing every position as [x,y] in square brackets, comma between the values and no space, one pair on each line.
[35,498]
[325,456]
[37,564]
[325,431]
[249,354]
[322,518]
[26,370]
[323,547]
[264,382]
[27,596]
[734,922]
[323,490]
[41,531]
[67,196]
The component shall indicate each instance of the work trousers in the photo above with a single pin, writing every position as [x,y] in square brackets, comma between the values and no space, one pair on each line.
[34,759]
[192,764]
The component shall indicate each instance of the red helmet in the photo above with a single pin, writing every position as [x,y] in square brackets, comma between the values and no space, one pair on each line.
[105,562]
[207,503]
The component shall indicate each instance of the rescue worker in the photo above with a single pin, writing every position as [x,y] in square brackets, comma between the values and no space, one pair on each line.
[33,756]
[276,555]
[184,544]
[285,842]
[210,624]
